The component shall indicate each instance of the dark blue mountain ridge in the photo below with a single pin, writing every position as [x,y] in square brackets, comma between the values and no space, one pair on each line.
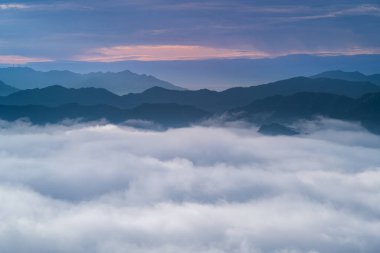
[280,102]
[167,115]
[204,99]
[307,105]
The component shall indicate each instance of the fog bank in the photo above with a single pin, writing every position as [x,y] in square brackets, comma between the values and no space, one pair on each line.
[208,189]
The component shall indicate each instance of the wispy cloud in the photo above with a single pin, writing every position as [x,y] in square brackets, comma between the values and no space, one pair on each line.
[364,9]
[164,53]
[210,5]
[295,10]
[359,10]
[196,52]
[334,52]
[13,6]
[57,6]
[16,59]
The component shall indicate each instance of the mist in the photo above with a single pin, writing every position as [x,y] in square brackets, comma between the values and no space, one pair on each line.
[107,188]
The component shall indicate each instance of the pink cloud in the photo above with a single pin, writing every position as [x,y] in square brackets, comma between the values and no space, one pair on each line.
[165,53]
[16,59]
[194,52]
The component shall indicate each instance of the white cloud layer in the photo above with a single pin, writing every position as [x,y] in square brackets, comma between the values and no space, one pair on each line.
[200,189]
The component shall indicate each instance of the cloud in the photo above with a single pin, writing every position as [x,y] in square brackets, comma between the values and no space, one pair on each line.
[358,10]
[196,52]
[163,53]
[16,59]
[52,6]
[117,189]
[334,52]
[13,6]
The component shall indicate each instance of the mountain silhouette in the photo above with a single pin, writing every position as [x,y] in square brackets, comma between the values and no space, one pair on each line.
[349,76]
[121,83]
[204,99]
[6,90]
[272,113]
[287,109]
[223,73]
[57,95]
[272,105]
[167,115]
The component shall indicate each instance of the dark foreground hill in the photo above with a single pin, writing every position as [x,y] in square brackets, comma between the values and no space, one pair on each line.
[203,99]
[287,109]
[268,111]
[167,115]
[121,82]
[274,109]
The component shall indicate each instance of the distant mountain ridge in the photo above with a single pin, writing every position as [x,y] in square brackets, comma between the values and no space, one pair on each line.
[349,76]
[123,82]
[206,100]
[224,73]
[6,90]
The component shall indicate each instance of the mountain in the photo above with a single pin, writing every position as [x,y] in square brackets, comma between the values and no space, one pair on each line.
[57,95]
[367,110]
[272,113]
[235,97]
[275,129]
[222,74]
[167,115]
[258,104]
[125,82]
[6,90]
[287,109]
[121,83]
[302,105]
[204,99]
[349,76]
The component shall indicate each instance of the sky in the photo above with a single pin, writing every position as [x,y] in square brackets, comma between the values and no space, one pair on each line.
[106,188]
[162,30]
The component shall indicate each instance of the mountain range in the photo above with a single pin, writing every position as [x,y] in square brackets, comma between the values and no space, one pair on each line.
[349,76]
[206,100]
[220,74]
[120,83]
[274,105]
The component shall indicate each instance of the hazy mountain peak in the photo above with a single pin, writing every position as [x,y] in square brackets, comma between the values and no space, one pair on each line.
[349,76]
[118,82]
[5,89]
[154,89]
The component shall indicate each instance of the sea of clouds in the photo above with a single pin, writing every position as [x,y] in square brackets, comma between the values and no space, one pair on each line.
[106,188]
